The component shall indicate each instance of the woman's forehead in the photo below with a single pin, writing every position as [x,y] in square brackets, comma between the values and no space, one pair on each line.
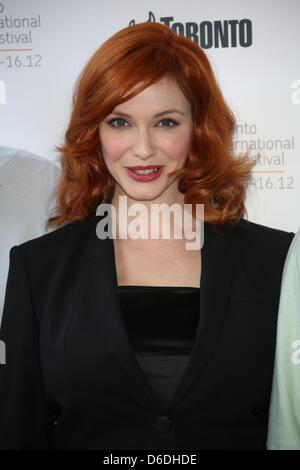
[158,95]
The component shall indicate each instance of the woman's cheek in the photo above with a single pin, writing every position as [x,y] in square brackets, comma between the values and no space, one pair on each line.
[177,148]
[113,150]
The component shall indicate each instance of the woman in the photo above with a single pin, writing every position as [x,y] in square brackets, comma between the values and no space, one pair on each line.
[140,343]
[284,423]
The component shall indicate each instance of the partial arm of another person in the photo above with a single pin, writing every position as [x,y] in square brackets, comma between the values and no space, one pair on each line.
[284,418]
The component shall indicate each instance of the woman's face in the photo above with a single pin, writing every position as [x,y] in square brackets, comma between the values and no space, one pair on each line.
[152,129]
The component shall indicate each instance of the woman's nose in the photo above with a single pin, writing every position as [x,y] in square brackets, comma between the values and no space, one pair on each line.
[143,146]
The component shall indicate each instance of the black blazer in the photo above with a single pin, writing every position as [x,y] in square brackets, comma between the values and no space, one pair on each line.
[71,379]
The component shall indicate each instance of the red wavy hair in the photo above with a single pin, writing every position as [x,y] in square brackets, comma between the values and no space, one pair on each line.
[138,56]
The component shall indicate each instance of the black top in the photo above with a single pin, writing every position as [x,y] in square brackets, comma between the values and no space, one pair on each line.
[161,323]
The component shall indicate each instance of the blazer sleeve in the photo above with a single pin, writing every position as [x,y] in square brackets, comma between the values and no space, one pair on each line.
[24,419]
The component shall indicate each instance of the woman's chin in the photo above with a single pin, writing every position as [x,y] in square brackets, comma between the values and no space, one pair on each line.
[145,195]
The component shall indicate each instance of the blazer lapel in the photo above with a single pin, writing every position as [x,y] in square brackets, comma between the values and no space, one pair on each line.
[103,287]
[217,260]
[217,264]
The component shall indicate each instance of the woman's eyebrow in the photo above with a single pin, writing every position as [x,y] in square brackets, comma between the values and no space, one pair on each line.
[161,113]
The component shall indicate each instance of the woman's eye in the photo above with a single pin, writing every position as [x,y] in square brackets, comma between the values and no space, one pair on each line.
[116,120]
[174,123]
[117,123]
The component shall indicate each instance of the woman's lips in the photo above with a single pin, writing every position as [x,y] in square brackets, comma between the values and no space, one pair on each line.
[144,177]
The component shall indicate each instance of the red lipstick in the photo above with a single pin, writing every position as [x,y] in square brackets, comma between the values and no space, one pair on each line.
[144,177]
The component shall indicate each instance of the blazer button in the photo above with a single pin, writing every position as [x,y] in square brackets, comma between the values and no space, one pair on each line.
[163,423]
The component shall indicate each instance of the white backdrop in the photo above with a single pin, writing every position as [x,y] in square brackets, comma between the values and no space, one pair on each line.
[44,45]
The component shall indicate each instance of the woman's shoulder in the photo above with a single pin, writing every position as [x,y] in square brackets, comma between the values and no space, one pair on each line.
[61,250]
[61,238]
[261,249]
[260,235]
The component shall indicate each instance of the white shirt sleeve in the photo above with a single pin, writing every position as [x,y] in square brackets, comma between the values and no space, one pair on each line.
[284,418]
[28,199]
